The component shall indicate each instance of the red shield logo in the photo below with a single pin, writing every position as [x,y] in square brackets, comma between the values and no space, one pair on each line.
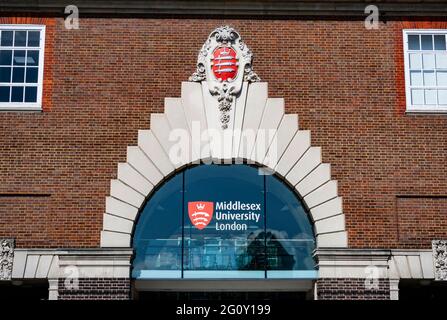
[200,213]
[224,64]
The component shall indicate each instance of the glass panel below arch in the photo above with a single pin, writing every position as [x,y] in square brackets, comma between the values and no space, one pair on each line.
[223,221]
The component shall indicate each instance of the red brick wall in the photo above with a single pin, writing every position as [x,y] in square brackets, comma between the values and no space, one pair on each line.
[345,83]
[352,289]
[96,289]
[421,219]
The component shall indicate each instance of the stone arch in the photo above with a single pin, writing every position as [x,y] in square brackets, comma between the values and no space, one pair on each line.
[298,163]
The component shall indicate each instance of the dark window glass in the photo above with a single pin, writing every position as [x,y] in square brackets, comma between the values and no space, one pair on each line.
[413,42]
[5,57]
[5,74]
[33,38]
[32,58]
[220,221]
[18,75]
[4,94]
[6,38]
[158,235]
[440,42]
[17,94]
[290,237]
[225,243]
[19,57]
[31,94]
[20,39]
[427,42]
[31,75]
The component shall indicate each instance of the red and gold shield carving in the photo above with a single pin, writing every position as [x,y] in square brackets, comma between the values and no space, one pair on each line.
[224,63]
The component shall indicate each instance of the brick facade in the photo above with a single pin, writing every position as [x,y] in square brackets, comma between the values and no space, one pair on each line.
[413,214]
[96,289]
[102,82]
[351,289]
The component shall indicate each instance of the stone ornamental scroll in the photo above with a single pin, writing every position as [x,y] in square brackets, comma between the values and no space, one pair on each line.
[6,258]
[224,62]
[440,259]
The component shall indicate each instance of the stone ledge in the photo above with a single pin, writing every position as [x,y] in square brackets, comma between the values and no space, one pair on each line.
[55,263]
[352,263]
[352,8]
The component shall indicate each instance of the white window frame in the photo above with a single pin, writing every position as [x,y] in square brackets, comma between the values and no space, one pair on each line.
[28,106]
[419,108]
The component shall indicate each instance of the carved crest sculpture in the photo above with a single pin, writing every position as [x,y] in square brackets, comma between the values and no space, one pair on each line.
[440,259]
[225,62]
[6,258]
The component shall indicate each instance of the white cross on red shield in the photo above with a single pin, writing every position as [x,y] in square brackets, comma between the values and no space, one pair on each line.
[200,213]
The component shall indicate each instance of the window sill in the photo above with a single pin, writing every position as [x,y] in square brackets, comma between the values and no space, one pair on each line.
[441,112]
[18,108]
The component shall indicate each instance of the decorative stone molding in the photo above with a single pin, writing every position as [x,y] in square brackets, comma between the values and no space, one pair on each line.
[6,258]
[367,264]
[411,264]
[85,263]
[96,263]
[352,263]
[440,259]
[224,62]
[36,264]
[297,162]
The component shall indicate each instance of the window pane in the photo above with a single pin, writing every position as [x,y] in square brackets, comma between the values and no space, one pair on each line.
[430,96]
[33,38]
[19,65]
[4,94]
[20,39]
[18,74]
[442,95]
[428,61]
[442,78]
[226,243]
[158,235]
[417,96]
[17,94]
[415,61]
[31,94]
[19,57]
[439,42]
[290,238]
[5,57]
[416,78]
[413,42]
[427,42]
[32,58]
[6,38]
[31,75]
[5,74]
[429,78]
[441,61]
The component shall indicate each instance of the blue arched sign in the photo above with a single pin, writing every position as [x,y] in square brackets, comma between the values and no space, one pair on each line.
[223,221]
